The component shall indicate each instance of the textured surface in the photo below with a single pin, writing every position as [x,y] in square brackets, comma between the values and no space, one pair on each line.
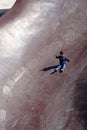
[31,34]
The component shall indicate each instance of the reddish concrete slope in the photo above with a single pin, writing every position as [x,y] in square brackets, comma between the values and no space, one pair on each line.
[31,34]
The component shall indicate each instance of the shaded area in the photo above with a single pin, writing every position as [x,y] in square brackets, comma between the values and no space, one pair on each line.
[52,68]
[2,12]
[80,98]
[49,68]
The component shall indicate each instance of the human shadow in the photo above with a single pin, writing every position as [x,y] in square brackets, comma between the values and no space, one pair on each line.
[52,68]
[49,68]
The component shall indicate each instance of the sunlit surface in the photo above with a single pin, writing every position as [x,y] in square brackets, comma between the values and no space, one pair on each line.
[6,4]
[7,89]
[31,35]
[37,15]
[2,115]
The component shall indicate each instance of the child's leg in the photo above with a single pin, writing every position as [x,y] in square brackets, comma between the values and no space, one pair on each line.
[58,67]
[63,67]
[55,70]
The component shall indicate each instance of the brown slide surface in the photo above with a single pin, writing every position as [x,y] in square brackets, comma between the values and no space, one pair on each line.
[31,34]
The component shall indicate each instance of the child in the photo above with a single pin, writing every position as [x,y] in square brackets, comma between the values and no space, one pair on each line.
[62,62]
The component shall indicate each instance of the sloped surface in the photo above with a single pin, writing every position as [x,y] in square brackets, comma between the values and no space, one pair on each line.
[31,34]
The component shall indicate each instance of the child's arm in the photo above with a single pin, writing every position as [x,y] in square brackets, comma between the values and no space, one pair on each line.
[67,60]
[57,56]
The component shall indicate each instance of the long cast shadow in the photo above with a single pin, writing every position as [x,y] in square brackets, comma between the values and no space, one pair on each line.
[49,68]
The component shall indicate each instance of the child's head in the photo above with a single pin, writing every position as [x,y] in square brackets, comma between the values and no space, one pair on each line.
[61,53]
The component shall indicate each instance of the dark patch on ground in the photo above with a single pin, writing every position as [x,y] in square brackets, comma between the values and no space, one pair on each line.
[2,12]
[52,68]
[80,98]
[49,68]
